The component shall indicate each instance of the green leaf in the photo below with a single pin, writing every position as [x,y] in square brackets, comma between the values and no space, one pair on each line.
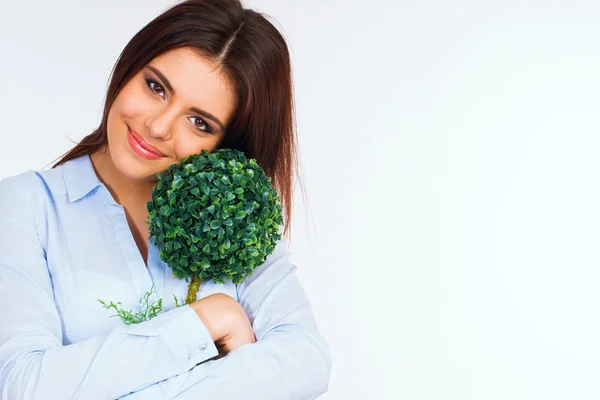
[190,169]
[240,215]
[177,183]
[166,210]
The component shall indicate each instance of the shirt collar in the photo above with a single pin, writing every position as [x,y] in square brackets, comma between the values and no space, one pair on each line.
[80,177]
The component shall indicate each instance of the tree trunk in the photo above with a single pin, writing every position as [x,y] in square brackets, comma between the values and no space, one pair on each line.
[192,289]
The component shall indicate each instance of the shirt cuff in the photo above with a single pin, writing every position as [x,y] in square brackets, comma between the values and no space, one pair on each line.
[186,337]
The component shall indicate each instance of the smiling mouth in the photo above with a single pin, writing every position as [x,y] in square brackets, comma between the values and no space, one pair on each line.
[142,148]
[144,144]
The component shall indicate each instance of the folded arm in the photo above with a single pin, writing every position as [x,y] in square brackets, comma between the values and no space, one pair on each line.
[290,359]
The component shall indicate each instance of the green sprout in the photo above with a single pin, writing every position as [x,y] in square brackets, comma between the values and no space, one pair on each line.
[148,310]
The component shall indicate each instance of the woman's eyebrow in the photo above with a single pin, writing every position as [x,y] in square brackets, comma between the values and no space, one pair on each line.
[168,85]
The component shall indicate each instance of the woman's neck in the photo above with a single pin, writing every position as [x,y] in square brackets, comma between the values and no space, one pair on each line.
[125,191]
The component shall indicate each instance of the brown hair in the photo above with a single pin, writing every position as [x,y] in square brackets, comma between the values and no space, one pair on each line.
[252,54]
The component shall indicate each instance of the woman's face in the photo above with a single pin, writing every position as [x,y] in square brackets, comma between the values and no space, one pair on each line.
[178,105]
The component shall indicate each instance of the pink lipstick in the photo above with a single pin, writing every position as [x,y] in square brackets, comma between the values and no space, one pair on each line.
[141,148]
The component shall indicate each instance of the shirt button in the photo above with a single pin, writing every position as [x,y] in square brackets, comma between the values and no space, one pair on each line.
[189,356]
[203,347]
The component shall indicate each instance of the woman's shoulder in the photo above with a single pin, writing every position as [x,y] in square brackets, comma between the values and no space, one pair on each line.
[32,184]
[22,185]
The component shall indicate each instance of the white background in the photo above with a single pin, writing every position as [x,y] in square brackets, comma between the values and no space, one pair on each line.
[450,153]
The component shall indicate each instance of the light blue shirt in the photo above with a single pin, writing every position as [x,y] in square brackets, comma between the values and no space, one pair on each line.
[65,243]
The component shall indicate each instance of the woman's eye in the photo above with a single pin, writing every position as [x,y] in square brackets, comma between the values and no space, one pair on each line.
[200,124]
[155,87]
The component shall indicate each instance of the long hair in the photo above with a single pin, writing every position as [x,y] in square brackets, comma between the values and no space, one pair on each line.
[254,57]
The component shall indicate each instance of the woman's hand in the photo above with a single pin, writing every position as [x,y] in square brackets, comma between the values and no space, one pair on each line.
[225,320]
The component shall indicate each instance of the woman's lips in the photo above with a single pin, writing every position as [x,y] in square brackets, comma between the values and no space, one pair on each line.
[141,147]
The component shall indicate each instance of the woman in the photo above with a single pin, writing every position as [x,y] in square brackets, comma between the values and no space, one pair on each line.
[205,74]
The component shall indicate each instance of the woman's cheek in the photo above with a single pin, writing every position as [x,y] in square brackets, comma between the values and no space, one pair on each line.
[188,144]
[134,104]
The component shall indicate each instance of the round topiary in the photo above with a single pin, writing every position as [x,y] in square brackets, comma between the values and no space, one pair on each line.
[214,216]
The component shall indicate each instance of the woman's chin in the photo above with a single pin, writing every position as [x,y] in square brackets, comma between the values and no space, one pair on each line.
[137,169]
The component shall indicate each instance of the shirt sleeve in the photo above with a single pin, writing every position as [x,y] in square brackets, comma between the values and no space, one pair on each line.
[290,359]
[33,362]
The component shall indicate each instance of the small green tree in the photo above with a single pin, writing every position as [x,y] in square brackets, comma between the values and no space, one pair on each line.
[214,216]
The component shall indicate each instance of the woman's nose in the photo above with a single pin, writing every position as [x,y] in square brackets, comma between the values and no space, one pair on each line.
[160,126]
